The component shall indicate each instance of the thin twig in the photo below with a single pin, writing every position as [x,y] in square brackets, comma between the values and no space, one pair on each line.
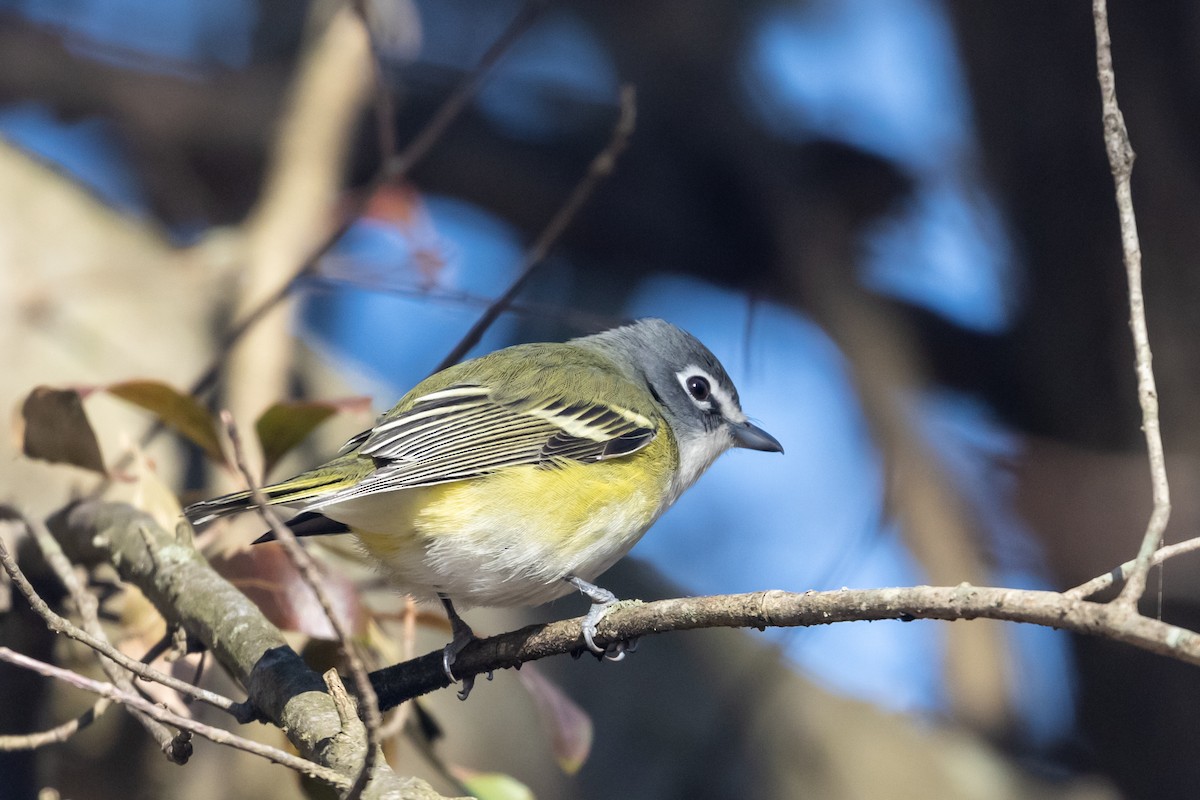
[1120,160]
[58,624]
[59,733]
[394,169]
[161,714]
[88,607]
[600,168]
[368,703]
[462,93]
[572,317]
[1102,582]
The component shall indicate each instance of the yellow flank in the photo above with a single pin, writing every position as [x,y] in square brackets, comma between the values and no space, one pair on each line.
[509,538]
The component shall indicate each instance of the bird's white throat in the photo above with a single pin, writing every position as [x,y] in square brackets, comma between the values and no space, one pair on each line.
[696,454]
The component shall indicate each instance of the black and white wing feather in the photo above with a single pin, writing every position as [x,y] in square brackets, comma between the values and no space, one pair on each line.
[464,432]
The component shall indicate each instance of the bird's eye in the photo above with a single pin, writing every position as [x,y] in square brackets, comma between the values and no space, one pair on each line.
[698,388]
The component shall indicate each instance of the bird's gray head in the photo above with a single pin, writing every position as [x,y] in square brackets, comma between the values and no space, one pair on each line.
[692,389]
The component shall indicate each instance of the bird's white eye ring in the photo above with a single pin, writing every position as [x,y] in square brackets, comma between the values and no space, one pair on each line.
[698,388]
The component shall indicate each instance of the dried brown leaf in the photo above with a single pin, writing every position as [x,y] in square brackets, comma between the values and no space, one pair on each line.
[55,428]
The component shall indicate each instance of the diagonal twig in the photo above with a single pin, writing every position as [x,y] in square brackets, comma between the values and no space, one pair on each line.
[600,168]
[368,703]
[397,167]
[1102,582]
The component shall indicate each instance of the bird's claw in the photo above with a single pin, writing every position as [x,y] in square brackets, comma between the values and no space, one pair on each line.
[589,634]
[602,600]
[463,636]
[616,651]
[612,651]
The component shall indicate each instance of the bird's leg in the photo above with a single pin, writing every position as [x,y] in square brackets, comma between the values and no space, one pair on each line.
[602,600]
[462,636]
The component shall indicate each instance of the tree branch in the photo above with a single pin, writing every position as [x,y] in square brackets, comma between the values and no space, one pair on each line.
[59,624]
[177,749]
[188,592]
[787,609]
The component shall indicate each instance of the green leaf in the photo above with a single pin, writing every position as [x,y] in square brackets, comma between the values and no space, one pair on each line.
[286,424]
[56,429]
[493,785]
[178,411]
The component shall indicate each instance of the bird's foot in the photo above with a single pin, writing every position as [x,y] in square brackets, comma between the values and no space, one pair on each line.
[462,636]
[602,601]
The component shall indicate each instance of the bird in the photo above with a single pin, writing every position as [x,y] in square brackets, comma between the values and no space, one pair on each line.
[519,476]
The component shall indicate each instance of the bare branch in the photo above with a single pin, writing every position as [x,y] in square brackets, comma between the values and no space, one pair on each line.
[88,608]
[1120,160]
[308,573]
[286,691]
[462,94]
[59,624]
[107,690]
[600,168]
[786,609]
[188,592]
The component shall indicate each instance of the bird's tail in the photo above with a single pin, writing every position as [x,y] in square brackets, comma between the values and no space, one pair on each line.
[294,491]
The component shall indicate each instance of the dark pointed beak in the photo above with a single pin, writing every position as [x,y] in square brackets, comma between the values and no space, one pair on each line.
[752,437]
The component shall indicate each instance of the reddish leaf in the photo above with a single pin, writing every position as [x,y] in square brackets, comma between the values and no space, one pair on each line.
[398,204]
[266,575]
[57,430]
[570,726]
[286,424]
[402,207]
[178,411]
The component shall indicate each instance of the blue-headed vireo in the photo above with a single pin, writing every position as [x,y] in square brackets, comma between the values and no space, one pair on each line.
[513,478]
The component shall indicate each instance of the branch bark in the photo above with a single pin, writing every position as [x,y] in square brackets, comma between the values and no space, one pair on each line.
[188,592]
[790,609]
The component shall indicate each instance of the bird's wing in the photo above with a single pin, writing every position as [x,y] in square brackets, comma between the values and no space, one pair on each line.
[465,431]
